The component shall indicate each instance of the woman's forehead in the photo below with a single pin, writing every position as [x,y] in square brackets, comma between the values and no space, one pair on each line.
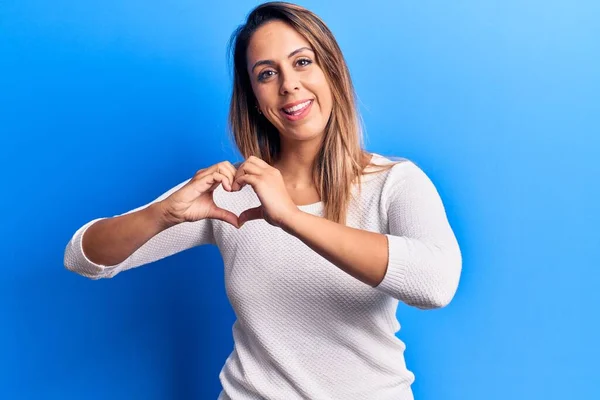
[274,40]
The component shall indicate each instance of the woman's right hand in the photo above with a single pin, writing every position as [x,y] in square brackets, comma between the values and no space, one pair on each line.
[194,201]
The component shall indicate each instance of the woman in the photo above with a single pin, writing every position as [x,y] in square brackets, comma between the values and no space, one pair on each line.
[338,236]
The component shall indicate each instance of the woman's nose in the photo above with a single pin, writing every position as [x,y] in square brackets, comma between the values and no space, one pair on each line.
[289,83]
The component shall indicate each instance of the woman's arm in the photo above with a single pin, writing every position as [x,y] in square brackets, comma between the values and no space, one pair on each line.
[111,241]
[419,262]
[104,247]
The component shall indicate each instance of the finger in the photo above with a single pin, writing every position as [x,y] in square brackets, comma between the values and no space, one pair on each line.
[230,177]
[203,173]
[224,176]
[240,182]
[210,182]
[252,169]
[251,214]
[246,169]
[224,215]
[218,167]
[227,180]
[230,168]
[258,162]
[239,172]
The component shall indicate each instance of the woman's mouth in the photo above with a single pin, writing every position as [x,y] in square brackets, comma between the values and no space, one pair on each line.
[297,112]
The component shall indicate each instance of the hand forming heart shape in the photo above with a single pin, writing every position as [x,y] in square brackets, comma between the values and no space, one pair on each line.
[194,201]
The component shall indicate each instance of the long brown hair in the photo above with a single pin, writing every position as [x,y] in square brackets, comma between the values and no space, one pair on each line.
[341,159]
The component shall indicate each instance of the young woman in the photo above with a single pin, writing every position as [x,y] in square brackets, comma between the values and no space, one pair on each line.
[320,239]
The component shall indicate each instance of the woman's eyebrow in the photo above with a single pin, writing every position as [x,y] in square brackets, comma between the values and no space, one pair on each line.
[271,62]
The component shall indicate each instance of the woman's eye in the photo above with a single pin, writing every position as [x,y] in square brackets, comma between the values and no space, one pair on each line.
[304,62]
[264,75]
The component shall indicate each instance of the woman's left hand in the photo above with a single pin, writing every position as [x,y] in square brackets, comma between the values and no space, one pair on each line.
[277,207]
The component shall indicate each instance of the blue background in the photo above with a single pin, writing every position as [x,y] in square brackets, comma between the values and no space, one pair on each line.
[105,105]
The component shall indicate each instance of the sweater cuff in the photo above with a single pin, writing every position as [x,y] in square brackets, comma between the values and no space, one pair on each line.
[395,275]
[77,258]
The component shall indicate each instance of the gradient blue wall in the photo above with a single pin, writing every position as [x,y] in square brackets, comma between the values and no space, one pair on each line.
[105,105]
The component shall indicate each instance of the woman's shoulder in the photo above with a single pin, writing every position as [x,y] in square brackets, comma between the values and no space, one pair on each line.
[385,159]
[388,166]
[391,172]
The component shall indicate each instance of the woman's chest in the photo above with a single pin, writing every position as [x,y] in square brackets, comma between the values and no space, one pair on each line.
[269,270]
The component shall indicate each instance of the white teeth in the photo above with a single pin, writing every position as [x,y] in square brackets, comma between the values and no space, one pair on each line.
[297,107]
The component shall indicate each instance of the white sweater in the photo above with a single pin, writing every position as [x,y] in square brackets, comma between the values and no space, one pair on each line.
[305,329]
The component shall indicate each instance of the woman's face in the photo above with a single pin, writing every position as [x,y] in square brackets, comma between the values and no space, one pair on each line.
[291,89]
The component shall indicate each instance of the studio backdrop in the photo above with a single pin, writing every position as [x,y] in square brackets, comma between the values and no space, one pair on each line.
[106,105]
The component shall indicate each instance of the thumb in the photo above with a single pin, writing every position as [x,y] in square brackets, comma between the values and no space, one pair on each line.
[224,215]
[251,214]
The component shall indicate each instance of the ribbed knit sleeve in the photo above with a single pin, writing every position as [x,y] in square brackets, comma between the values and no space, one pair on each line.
[425,261]
[170,241]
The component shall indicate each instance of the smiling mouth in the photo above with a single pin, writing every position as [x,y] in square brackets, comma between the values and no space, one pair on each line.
[297,110]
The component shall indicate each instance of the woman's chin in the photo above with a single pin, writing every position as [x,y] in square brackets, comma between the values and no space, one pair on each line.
[302,134]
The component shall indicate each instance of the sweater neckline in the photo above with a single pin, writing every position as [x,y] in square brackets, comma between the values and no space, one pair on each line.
[313,207]
[318,206]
